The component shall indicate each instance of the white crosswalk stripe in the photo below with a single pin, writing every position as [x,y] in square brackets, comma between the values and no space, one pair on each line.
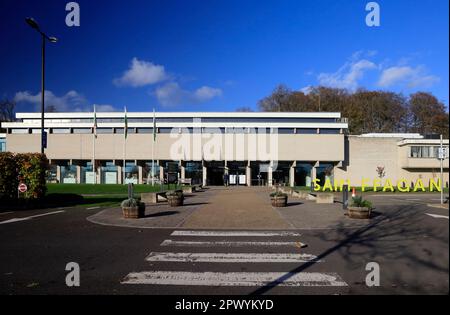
[234,233]
[231,257]
[236,279]
[229,244]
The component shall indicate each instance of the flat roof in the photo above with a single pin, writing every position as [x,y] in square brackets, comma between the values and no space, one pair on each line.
[392,135]
[183,114]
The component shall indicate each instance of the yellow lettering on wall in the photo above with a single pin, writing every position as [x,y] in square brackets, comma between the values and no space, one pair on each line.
[437,185]
[400,186]
[316,184]
[364,184]
[419,184]
[328,185]
[389,186]
[376,184]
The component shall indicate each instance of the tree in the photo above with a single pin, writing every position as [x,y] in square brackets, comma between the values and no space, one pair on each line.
[367,111]
[428,115]
[277,101]
[7,110]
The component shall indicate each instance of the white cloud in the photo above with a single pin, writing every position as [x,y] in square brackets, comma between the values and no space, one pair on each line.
[408,76]
[349,75]
[206,93]
[69,102]
[142,73]
[171,94]
[307,89]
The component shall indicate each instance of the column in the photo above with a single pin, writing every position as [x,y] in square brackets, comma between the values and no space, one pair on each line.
[314,172]
[183,170]
[140,179]
[119,174]
[292,174]
[78,174]
[248,173]
[161,173]
[58,174]
[98,174]
[204,174]
[270,175]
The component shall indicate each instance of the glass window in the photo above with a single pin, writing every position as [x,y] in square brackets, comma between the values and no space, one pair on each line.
[415,152]
[144,130]
[330,131]
[82,130]
[61,130]
[19,131]
[131,173]
[52,174]
[2,145]
[69,174]
[308,131]
[104,130]
[285,131]
[168,130]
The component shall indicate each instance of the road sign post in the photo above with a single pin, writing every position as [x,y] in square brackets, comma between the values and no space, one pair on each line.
[22,188]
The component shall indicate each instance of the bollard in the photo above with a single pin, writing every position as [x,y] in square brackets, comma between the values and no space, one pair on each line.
[130,191]
[345,197]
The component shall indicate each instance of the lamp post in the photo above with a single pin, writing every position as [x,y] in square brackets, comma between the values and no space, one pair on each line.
[33,24]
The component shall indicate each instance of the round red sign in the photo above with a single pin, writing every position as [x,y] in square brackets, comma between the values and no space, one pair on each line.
[22,188]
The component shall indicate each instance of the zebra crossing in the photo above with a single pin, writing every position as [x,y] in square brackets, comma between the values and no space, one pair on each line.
[232,248]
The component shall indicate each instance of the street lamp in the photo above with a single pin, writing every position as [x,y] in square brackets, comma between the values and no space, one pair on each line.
[33,24]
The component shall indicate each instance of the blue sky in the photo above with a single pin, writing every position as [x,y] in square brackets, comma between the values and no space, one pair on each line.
[214,55]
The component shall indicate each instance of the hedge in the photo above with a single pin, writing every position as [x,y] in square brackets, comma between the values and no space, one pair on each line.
[28,168]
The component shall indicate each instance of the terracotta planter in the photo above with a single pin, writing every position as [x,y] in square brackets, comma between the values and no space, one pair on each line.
[133,212]
[359,212]
[279,201]
[175,200]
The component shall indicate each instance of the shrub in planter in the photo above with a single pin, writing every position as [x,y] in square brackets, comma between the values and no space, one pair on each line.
[278,199]
[133,209]
[175,198]
[360,208]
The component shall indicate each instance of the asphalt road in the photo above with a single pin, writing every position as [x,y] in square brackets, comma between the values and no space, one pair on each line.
[410,246]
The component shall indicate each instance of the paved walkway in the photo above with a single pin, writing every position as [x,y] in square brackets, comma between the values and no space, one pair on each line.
[237,208]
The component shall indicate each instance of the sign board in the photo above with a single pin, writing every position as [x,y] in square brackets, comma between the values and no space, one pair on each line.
[242,179]
[232,179]
[22,188]
[442,153]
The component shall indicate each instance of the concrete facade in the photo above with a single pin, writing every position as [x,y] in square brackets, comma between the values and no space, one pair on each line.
[252,148]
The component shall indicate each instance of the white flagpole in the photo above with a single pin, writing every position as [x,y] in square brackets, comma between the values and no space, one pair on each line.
[124,145]
[94,135]
[153,148]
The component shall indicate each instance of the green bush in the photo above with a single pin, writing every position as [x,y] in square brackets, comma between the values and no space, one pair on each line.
[128,203]
[278,194]
[358,201]
[8,176]
[28,168]
[174,193]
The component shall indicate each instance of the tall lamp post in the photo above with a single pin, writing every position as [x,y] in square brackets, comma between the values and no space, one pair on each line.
[45,37]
